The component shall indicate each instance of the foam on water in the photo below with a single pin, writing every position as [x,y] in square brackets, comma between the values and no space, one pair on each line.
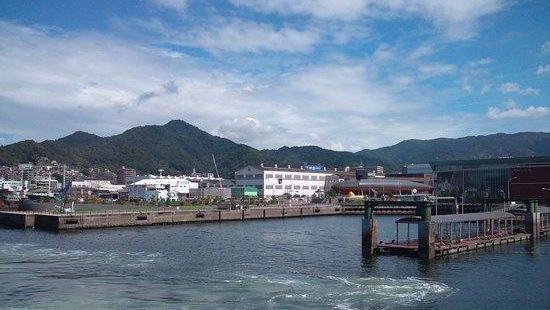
[33,253]
[342,292]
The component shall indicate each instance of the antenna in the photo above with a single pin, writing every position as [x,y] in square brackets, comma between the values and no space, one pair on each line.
[216,167]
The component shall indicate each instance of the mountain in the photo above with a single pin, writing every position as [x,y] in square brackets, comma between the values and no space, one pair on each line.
[178,147]
[523,144]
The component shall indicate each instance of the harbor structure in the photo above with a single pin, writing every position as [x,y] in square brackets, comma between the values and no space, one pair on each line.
[442,235]
[160,188]
[276,181]
[377,187]
[516,178]
[86,189]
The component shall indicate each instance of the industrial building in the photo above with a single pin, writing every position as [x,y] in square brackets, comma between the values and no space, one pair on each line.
[517,178]
[160,188]
[376,187]
[275,181]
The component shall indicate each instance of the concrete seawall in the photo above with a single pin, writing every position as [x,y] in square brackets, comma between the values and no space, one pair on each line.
[58,222]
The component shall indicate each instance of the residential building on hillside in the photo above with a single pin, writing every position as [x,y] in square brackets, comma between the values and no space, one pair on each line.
[124,175]
[275,181]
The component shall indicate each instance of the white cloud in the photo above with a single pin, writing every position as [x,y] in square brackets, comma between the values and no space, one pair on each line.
[516,112]
[486,88]
[422,51]
[105,85]
[543,69]
[178,5]
[480,62]
[458,20]
[342,9]
[545,48]
[246,130]
[237,35]
[436,69]
[512,87]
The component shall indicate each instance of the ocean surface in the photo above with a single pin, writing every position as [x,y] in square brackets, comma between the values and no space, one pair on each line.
[301,263]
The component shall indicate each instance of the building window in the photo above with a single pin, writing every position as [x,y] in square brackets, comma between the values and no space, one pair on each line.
[305,187]
[288,186]
[278,187]
[296,177]
[278,176]
[268,176]
[313,187]
[305,177]
[321,178]
[288,177]
[314,178]
[269,187]
[296,186]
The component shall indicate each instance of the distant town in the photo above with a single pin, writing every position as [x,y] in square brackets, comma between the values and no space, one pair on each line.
[48,181]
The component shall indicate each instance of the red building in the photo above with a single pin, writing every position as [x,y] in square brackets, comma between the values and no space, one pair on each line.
[530,182]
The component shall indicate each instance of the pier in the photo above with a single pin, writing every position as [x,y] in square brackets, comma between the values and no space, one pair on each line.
[73,221]
[442,235]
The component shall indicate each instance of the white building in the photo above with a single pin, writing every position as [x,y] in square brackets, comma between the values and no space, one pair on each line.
[11,189]
[160,188]
[274,181]
[95,184]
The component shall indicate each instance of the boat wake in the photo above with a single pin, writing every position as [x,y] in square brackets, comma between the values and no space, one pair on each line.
[344,293]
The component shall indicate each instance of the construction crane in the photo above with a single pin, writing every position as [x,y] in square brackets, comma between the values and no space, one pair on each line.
[216,167]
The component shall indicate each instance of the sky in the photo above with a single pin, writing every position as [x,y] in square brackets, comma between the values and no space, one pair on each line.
[340,74]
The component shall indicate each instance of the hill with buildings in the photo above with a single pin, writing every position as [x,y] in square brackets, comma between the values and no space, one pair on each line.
[178,147]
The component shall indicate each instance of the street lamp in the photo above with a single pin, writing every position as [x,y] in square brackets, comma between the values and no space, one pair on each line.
[509,181]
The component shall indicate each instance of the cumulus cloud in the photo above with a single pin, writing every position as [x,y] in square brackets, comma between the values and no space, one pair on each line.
[105,85]
[543,69]
[457,20]
[512,87]
[247,130]
[545,48]
[517,112]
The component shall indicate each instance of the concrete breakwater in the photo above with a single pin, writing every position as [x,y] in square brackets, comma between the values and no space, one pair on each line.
[57,222]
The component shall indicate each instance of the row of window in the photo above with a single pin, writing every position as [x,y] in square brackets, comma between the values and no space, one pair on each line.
[295,177]
[307,187]
[248,176]
[279,176]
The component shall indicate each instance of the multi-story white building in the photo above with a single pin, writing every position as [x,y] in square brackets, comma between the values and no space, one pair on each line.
[275,181]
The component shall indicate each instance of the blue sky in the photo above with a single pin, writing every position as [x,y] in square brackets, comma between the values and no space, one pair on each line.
[344,75]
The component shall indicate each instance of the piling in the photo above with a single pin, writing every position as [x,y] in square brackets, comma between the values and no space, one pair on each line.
[532,219]
[369,231]
[426,233]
